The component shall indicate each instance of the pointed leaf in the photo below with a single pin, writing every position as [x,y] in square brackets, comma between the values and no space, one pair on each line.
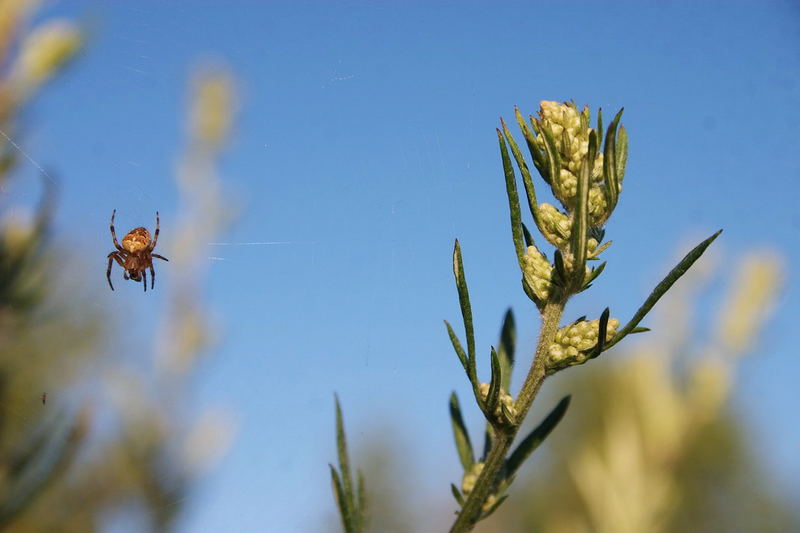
[457,494]
[600,126]
[341,502]
[535,438]
[527,180]
[494,386]
[580,222]
[622,153]
[610,163]
[528,237]
[680,269]
[506,348]
[593,274]
[538,157]
[341,448]
[462,356]
[466,311]
[602,329]
[513,201]
[461,435]
[553,157]
[560,271]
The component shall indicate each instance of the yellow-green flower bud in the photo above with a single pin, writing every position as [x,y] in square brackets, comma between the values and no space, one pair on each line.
[571,343]
[469,479]
[504,400]
[538,273]
[489,502]
[556,226]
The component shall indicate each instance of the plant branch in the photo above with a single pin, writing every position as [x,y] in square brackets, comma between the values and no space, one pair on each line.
[472,509]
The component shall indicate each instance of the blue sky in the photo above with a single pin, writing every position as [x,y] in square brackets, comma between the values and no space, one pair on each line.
[366,140]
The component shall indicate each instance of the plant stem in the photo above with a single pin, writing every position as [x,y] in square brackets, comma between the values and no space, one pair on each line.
[471,511]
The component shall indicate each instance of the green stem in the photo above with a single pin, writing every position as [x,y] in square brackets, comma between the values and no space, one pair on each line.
[503,439]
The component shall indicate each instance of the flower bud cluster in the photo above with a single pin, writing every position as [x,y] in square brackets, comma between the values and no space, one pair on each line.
[505,404]
[538,273]
[571,342]
[569,130]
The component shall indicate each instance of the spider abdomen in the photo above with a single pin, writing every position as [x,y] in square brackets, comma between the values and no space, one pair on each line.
[137,240]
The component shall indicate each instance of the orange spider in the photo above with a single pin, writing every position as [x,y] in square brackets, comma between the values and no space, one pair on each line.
[135,255]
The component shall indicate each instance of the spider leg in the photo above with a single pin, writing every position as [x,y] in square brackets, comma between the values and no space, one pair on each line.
[155,234]
[111,257]
[114,233]
[160,257]
[144,280]
[152,276]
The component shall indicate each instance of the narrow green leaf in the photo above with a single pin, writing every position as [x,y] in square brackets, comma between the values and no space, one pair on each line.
[528,237]
[462,356]
[622,153]
[341,502]
[560,277]
[341,448]
[593,274]
[535,438]
[461,435]
[513,201]
[612,186]
[494,386]
[602,329]
[506,348]
[580,223]
[457,495]
[466,311]
[639,329]
[680,269]
[542,163]
[600,126]
[530,191]
[553,157]
[538,157]
[362,503]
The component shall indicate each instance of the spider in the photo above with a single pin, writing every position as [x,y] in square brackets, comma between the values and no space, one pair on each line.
[135,255]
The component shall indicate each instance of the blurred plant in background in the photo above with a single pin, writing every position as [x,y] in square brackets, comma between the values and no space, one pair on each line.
[132,456]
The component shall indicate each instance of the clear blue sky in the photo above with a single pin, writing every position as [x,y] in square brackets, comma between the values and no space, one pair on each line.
[366,138]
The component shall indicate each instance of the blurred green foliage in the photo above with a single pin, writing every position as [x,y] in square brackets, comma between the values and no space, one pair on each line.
[91,432]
